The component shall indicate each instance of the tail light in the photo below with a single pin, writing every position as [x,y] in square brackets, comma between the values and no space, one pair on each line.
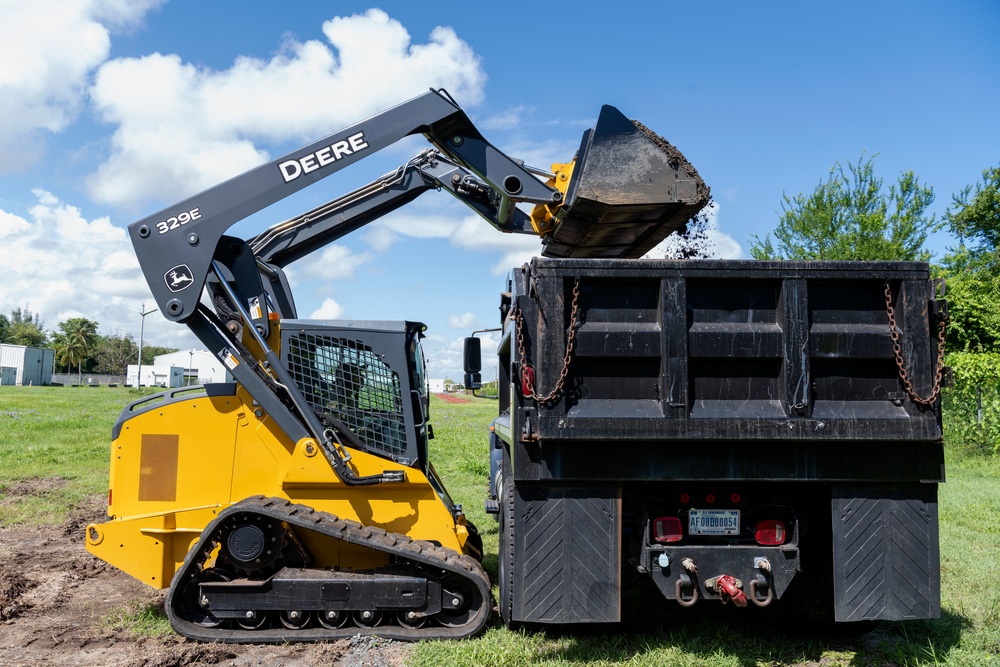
[667,529]
[770,532]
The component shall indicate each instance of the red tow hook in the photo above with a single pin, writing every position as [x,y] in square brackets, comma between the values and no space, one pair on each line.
[726,585]
[527,381]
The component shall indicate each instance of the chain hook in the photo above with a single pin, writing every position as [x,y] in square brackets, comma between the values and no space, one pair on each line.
[898,352]
[527,371]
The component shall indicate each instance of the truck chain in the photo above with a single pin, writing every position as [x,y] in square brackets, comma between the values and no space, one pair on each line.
[302,517]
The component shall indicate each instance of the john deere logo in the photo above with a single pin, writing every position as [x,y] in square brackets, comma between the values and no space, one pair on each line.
[178,278]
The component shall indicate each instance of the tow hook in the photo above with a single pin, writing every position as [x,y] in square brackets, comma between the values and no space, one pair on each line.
[728,588]
[760,582]
[686,581]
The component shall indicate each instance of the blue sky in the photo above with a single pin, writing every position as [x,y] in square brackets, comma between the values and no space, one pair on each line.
[111,110]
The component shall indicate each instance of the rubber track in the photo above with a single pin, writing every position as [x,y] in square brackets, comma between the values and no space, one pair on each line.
[303,517]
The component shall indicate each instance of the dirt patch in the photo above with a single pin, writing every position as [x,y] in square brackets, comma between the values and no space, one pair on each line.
[34,486]
[451,398]
[56,601]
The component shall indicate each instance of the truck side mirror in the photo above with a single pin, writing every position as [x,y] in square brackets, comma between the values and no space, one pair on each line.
[473,353]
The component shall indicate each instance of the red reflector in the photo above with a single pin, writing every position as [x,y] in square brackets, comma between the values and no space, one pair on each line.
[667,529]
[770,532]
[685,498]
[710,498]
[735,498]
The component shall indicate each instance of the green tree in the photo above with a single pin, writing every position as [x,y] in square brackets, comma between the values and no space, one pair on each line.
[4,328]
[972,270]
[115,353]
[972,273]
[974,215]
[25,328]
[150,352]
[77,342]
[851,216]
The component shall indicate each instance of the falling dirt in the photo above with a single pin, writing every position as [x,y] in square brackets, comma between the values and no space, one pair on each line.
[57,605]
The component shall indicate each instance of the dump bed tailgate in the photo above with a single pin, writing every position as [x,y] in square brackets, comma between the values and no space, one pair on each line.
[791,358]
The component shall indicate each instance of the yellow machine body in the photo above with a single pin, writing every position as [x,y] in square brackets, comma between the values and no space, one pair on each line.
[175,467]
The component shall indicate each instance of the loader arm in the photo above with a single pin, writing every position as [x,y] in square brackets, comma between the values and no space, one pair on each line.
[297,237]
[176,246]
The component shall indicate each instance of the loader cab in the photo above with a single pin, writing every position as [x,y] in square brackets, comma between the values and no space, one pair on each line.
[366,380]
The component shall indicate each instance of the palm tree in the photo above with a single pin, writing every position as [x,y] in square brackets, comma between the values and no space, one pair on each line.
[76,342]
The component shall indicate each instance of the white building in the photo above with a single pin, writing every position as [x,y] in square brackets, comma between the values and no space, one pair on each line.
[200,366]
[32,365]
[170,377]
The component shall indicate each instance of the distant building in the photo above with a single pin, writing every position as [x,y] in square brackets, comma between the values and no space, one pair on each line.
[169,377]
[200,366]
[32,366]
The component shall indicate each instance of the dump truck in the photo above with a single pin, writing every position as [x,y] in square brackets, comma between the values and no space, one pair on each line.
[299,502]
[758,434]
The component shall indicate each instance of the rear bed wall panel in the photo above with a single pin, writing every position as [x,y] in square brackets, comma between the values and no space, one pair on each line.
[728,354]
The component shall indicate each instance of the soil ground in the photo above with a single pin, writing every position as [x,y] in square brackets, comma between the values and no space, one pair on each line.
[56,601]
[451,398]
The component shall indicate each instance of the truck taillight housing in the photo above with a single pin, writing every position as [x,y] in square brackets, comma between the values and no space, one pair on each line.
[770,532]
[667,529]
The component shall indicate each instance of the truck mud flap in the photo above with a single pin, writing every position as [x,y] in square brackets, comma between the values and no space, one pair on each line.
[567,550]
[886,553]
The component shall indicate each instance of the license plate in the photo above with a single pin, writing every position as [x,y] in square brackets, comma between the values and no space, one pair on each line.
[713,522]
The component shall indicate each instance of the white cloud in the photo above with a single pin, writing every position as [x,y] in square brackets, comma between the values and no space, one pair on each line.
[62,265]
[465,321]
[335,262]
[469,232]
[182,128]
[328,310]
[445,357]
[426,223]
[515,249]
[48,49]
[505,120]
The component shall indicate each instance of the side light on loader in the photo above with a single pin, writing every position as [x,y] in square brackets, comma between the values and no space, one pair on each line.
[667,529]
[770,532]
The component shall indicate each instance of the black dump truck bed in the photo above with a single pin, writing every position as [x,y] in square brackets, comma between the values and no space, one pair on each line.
[740,431]
[734,356]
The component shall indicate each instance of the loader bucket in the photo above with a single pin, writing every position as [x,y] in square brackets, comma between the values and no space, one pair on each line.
[629,190]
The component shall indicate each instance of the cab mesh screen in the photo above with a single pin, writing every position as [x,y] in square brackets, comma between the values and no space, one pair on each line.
[345,379]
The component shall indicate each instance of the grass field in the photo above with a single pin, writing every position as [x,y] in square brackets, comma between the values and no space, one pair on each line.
[55,442]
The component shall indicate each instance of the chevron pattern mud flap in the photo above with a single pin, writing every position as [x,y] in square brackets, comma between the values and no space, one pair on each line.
[567,555]
[886,561]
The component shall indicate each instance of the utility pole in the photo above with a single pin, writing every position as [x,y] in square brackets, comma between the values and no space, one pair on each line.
[142,325]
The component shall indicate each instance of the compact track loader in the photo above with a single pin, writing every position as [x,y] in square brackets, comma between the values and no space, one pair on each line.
[298,502]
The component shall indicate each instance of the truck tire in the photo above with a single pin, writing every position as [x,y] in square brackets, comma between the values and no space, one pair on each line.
[505,562]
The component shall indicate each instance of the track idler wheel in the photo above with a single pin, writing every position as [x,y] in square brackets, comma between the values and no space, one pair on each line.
[459,602]
[191,602]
